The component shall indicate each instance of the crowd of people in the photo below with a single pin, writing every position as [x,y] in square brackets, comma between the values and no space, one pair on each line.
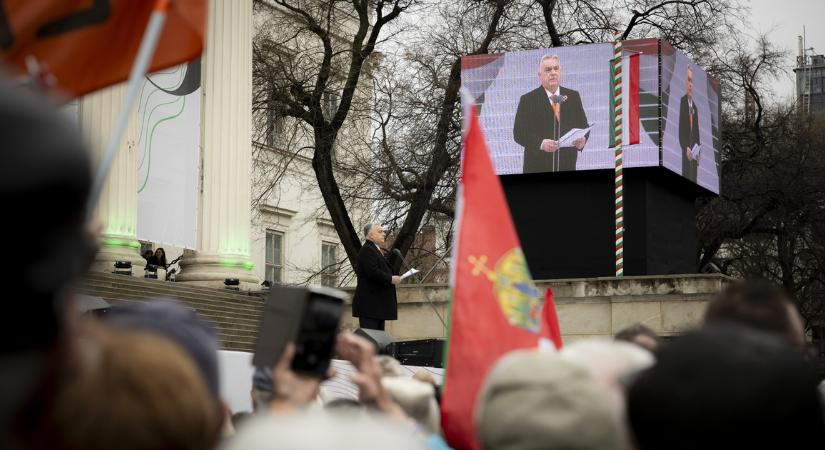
[145,376]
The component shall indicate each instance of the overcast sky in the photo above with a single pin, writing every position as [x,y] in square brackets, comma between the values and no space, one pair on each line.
[783,20]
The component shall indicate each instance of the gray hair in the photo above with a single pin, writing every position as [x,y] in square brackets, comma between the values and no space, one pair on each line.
[541,61]
[367,228]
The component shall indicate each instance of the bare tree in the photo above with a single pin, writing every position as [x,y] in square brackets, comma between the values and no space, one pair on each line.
[317,51]
[409,171]
[768,220]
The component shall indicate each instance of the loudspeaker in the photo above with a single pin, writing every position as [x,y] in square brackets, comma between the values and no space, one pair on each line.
[424,352]
[381,339]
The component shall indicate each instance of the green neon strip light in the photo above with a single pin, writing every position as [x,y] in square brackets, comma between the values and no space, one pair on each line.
[248,265]
[121,243]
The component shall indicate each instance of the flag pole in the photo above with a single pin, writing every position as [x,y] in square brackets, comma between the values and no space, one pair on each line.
[617,130]
[146,50]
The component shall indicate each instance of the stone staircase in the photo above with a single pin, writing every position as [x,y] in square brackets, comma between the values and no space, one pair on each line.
[236,315]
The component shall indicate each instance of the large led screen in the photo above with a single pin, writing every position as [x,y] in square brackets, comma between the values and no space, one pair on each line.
[690,125]
[549,110]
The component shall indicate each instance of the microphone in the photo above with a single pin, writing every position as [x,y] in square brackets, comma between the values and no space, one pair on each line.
[400,256]
[423,291]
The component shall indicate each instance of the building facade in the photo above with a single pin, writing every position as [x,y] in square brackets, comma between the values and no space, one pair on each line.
[810,81]
[259,215]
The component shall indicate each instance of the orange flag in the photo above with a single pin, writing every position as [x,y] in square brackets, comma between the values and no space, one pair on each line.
[85,45]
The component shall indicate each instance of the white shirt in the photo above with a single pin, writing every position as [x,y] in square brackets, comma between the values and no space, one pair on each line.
[551,94]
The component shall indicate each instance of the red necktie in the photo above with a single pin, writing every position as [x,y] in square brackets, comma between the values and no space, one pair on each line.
[690,115]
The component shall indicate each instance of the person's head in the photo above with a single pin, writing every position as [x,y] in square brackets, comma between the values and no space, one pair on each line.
[536,400]
[147,255]
[390,367]
[343,406]
[689,82]
[612,364]
[550,72]
[640,335]
[417,399]
[374,232]
[135,391]
[171,320]
[44,162]
[727,387]
[318,430]
[757,304]
[426,377]
[160,254]
[608,362]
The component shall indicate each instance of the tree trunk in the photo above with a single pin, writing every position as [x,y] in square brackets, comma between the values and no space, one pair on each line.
[322,166]
[439,166]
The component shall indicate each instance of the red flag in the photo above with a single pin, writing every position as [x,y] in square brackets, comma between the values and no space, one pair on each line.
[87,45]
[633,100]
[550,322]
[496,307]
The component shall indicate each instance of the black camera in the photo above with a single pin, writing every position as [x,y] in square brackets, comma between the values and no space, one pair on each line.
[309,317]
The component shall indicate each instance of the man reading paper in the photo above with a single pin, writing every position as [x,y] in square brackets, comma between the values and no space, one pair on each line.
[544,115]
[689,131]
[374,300]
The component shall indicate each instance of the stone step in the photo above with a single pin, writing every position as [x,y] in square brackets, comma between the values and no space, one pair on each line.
[212,303]
[122,280]
[232,335]
[246,319]
[174,289]
[235,315]
[231,323]
[163,287]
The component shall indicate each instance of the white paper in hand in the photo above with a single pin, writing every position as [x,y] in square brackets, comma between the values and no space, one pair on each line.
[572,135]
[696,150]
[409,273]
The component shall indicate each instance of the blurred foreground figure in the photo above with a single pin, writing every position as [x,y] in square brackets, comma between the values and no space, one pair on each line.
[318,431]
[181,325]
[760,305]
[45,178]
[135,391]
[642,336]
[727,387]
[538,401]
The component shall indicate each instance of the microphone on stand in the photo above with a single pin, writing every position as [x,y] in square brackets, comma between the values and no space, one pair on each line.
[401,257]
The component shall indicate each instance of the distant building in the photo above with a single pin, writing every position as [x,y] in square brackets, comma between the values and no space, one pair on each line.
[810,81]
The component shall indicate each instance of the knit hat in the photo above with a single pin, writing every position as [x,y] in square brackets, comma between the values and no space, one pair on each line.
[535,400]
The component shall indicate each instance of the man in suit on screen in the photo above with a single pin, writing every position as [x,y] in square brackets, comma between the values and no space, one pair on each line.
[374,300]
[689,130]
[544,115]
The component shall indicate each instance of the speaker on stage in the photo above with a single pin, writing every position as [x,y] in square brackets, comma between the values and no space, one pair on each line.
[381,339]
[422,352]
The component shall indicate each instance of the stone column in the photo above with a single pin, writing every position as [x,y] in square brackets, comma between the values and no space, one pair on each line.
[117,207]
[224,214]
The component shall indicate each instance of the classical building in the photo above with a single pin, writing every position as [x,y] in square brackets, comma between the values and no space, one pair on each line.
[247,205]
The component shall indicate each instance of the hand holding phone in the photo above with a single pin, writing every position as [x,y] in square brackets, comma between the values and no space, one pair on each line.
[293,390]
[308,318]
